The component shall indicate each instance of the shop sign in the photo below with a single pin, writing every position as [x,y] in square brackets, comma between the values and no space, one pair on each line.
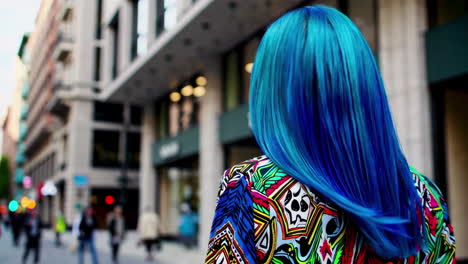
[169,150]
[81,181]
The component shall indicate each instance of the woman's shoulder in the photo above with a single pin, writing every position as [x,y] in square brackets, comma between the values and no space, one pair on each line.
[435,208]
[254,171]
[427,188]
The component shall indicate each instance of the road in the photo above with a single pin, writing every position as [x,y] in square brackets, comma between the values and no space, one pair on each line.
[130,252]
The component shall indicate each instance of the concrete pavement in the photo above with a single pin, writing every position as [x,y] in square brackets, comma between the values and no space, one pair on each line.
[130,253]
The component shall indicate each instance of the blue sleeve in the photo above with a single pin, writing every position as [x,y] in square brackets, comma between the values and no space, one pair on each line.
[232,232]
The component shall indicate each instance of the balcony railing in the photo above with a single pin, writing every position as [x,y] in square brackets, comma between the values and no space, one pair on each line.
[66,8]
[38,133]
[57,105]
[24,110]
[23,130]
[64,46]
[25,90]
[20,157]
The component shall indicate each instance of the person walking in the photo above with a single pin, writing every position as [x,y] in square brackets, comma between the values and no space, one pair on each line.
[116,227]
[33,230]
[188,226]
[60,227]
[76,229]
[16,219]
[333,185]
[148,231]
[87,227]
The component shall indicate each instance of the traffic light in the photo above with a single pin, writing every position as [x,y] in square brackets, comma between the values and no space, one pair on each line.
[110,200]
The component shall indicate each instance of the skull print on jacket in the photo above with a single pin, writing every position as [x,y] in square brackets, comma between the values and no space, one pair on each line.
[264,215]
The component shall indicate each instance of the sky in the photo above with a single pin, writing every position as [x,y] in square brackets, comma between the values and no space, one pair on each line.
[16,18]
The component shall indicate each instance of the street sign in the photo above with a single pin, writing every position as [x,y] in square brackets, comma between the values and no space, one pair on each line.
[81,181]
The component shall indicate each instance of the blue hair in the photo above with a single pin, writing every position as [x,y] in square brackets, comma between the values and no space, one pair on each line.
[318,110]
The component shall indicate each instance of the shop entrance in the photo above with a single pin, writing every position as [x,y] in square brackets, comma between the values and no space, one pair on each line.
[178,185]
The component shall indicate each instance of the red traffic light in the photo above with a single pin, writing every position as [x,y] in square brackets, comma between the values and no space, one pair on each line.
[109,199]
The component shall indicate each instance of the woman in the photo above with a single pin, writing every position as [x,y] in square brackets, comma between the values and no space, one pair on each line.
[334,185]
[60,227]
[188,226]
[86,228]
[148,230]
[116,228]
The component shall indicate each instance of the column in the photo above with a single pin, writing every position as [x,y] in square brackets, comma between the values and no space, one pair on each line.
[147,182]
[211,151]
[79,153]
[402,25]
[125,34]
[151,34]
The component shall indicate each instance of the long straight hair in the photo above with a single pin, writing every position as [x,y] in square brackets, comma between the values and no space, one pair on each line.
[318,110]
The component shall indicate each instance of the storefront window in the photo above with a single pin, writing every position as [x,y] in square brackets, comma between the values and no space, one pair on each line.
[238,65]
[180,109]
[442,12]
[178,201]
[162,119]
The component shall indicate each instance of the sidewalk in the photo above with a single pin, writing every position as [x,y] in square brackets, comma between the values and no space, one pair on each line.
[171,252]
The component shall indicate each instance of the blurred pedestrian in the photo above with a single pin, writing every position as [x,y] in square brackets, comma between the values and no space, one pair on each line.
[86,235]
[76,228]
[148,231]
[16,222]
[116,227]
[188,226]
[60,227]
[33,228]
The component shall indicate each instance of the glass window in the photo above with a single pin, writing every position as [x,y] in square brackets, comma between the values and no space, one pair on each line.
[98,19]
[249,52]
[174,119]
[133,149]
[97,64]
[135,115]
[159,17]
[232,81]
[106,148]
[162,120]
[114,26]
[139,27]
[142,28]
[443,12]
[170,14]
[108,112]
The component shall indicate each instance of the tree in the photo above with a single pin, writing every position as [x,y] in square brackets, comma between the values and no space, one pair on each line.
[4,177]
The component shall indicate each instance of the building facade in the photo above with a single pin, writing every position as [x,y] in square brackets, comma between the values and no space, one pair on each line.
[188,64]
[86,148]
[14,127]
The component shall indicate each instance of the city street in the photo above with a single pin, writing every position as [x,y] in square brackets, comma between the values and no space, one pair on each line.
[130,252]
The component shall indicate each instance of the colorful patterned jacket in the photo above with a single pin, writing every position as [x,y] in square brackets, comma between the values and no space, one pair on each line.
[265,216]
